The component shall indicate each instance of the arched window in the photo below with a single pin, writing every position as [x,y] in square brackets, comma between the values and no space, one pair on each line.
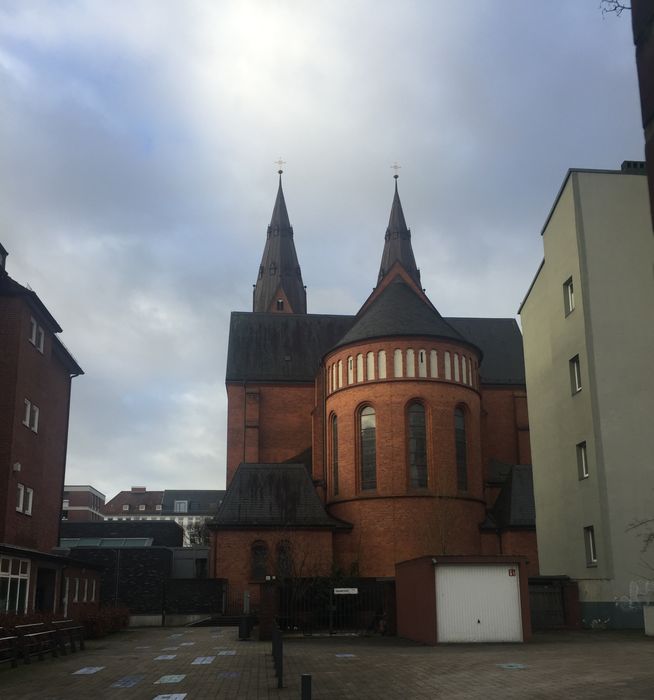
[422,363]
[360,367]
[417,446]
[340,373]
[381,364]
[448,366]
[433,363]
[461,450]
[335,455]
[370,368]
[456,366]
[259,562]
[464,368]
[368,448]
[410,363]
[350,370]
[284,568]
[397,363]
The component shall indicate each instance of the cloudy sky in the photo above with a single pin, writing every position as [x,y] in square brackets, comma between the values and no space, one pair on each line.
[137,141]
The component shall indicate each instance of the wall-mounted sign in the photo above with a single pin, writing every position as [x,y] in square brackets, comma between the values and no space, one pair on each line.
[346,591]
[511,572]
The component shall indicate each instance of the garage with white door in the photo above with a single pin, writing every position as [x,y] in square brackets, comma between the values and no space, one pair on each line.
[463,599]
[478,603]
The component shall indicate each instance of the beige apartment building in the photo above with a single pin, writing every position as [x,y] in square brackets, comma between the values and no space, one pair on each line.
[588,326]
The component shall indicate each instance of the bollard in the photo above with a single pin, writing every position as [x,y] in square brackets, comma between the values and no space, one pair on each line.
[305,686]
[243,629]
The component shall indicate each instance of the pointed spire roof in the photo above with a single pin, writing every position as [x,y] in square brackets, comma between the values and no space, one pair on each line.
[397,243]
[279,275]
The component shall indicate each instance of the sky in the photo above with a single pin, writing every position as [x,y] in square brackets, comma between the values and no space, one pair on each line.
[138,141]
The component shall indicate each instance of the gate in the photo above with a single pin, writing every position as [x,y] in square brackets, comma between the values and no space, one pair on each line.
[336,606]
[546,603]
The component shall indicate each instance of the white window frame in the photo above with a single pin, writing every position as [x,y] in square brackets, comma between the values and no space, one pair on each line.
[591,547]
[93,590]
[37,335]
[14,582]
[568,296]
[142,506]
[125,506]
[582,460]
[158,506]
[28,501]
[575,374]
[31,417]
[76,591]
[180,507]
[86,590]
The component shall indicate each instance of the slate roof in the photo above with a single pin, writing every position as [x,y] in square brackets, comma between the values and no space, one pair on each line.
[399,311]
[397,243]
[279,267]
[514,507]
[270,347]
[273,495]
[199,500]
[133,499]
[501,342]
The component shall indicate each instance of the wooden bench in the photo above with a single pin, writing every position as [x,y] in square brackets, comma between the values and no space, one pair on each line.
[69,632]
[8,648]
[36,639]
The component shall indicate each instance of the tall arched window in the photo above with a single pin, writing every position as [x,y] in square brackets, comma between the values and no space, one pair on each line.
[360,367]
[461,450]
[410,363]
[381,362]
[259,563]
[417,446]
[335,455]
[368,448]
[397,363]
[284,568]
[370,366]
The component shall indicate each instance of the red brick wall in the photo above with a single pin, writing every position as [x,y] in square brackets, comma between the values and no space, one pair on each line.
[505,425]
[267,422]
[231,555]
[42,379]
[522,543]
[81,607]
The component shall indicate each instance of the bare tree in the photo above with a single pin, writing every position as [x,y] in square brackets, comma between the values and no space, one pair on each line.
[613,7]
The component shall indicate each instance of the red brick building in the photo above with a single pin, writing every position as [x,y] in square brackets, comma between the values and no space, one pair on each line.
[357,442]
[35,382]
[82,503]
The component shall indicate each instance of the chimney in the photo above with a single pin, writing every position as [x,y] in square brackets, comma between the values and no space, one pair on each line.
[138,489]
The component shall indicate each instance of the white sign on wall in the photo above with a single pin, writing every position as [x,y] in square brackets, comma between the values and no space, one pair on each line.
[346,591]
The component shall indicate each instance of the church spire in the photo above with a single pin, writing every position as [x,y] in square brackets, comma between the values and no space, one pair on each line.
[397,242]
[279,286]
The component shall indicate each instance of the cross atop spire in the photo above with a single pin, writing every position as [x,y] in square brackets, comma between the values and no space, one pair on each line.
[397,241]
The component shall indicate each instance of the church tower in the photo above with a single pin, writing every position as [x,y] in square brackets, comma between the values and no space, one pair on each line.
[279,287]
[397,243]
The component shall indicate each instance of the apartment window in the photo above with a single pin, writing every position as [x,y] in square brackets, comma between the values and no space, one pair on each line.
[568,296]
[582,460]
[20,497]
[142,506]
[31,416]
[417,446]
[591,550]
[126,506]
[181,507]
[28,500]
[575,374]
[14,583]
[368,448]
[335,455]
[461,450]
[158,506]
[280,304]
[37,335]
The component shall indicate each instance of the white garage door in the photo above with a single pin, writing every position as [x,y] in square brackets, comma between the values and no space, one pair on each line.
[478,603]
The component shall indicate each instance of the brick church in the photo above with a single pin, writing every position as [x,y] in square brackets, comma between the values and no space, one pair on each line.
[358,442]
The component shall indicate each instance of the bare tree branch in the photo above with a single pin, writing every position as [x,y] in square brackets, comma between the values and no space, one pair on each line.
[613,7]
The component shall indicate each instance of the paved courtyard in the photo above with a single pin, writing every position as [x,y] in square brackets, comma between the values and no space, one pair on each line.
[193,663]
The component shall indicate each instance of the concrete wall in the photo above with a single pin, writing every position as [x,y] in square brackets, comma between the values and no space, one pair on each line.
[600,235]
